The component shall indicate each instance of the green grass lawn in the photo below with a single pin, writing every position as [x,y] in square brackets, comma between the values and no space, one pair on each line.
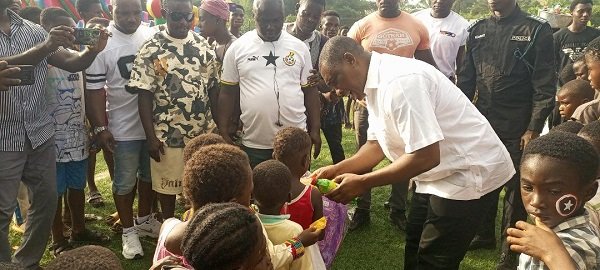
[378,246]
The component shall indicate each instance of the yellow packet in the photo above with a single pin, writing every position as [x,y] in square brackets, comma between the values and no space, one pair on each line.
[319,224]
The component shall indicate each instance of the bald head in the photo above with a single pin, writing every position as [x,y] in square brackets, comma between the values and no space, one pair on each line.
[344,65]
[261,5]
[334,50]
[269,18]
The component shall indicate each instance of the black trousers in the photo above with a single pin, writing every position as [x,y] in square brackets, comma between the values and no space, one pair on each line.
[439,230]
[399,192]
[513,209]
[333,135]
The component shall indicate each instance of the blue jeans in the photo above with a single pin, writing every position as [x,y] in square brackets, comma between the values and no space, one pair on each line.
[132,161]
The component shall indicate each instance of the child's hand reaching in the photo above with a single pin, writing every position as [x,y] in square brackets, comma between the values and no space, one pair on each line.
[309,236]
[540,242]
[168,262]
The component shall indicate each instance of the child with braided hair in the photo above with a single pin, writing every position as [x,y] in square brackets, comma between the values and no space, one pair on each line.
[225,236]
[217,174]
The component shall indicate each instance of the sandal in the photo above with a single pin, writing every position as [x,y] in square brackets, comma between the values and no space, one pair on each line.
[92,217]
[88,236]
[95,199]
[110,220]
[60,247]
[117,227]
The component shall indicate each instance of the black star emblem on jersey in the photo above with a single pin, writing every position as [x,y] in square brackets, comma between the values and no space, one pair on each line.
[271,59]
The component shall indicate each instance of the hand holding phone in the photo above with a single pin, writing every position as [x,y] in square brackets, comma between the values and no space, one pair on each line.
[86,36]
[12,75]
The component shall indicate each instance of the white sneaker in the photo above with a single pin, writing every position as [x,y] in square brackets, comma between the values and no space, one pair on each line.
[132,248]
[150,228]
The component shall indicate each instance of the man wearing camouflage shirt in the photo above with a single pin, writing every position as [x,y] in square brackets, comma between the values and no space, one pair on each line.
[175,73]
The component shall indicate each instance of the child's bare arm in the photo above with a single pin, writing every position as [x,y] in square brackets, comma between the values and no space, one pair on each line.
[317,203]
[175,238]
[541,243]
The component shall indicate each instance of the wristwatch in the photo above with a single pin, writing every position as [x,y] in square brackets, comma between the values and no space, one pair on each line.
[97,130]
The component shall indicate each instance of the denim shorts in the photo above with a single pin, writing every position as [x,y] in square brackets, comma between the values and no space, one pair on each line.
[132,162]
[70,175]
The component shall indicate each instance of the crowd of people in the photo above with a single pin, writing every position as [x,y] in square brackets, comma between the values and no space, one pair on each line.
[226,124]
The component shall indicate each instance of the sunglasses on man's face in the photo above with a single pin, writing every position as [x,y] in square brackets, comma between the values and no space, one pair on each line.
[177,16]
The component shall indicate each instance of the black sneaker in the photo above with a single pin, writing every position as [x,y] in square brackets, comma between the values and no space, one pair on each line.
[360,218]
[398,218]
[480,242]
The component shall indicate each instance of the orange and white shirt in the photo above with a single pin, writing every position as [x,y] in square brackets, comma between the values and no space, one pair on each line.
[401,36]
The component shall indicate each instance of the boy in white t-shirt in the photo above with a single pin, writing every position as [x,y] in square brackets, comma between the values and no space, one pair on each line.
[66,106]
[447,35]
[269,69]
[123,135]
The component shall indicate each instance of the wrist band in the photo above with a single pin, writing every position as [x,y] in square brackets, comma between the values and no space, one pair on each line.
[296,247]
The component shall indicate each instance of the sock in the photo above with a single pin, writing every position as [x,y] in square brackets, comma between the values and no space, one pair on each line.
[140,220]
[129,230]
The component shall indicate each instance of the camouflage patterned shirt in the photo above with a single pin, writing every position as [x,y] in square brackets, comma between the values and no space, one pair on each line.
[179,72]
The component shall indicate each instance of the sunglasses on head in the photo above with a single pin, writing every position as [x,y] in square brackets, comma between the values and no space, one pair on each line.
[176,16]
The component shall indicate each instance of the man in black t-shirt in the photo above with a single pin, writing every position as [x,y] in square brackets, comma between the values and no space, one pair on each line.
[570,42]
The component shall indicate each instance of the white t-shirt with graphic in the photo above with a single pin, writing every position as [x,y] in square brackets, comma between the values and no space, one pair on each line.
[446,35]
[270,76]
[66,106]
[112,69]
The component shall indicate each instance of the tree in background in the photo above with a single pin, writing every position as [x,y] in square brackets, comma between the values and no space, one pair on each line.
[349,10]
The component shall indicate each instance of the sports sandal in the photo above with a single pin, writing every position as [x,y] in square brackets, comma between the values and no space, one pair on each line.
[60,247]
[95,200]
[88,236]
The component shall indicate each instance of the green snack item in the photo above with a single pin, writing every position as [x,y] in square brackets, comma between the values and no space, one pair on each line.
[324,185]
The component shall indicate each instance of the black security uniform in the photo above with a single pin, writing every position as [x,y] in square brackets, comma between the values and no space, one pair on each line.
[509,73]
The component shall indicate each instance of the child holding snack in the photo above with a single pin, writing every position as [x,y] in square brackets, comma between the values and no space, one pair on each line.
[216,174]
[272,181]
[558,173]
[292,148]
[225,236]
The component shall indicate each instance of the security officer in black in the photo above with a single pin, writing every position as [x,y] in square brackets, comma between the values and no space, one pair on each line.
[509,73]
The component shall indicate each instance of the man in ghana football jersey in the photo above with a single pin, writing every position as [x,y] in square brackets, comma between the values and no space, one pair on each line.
[123,135]
[447,35]
[269,69]
[392,31]
[27,152]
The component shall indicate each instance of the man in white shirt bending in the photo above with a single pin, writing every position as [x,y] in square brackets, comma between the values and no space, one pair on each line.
[433,134]
[269,69]
[447,35]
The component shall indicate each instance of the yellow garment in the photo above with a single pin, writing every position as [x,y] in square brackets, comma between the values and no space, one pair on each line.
[277,234]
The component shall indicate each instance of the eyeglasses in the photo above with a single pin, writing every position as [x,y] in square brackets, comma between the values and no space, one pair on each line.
[177,16]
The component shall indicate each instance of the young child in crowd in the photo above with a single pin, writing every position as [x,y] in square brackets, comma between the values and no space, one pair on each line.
[580,69]
[569,127]
[292,147]
[272,182]
[590,111]
[85,258]
[215,174]
[65,94]
[572,95]
[198,142]
[591,133]
[225,236]
[558,173]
